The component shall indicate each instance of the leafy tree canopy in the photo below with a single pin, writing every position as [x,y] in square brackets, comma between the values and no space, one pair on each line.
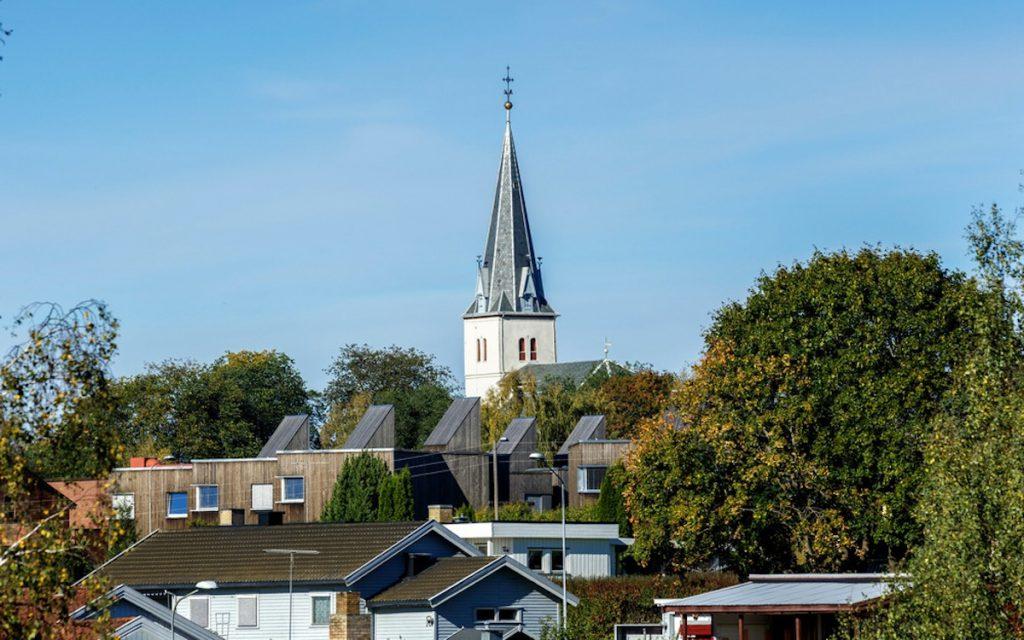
[411,380]
[798,439]
[226,409]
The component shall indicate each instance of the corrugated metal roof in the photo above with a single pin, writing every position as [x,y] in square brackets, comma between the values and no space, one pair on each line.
[515,432]
[837,590]
[374,418]
[233,555]
[450,422]
[283,434]
[588,428]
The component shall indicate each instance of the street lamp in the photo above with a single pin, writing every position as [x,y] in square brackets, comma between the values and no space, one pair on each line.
[539,457]
[291,553]
[202,585]
[494,458]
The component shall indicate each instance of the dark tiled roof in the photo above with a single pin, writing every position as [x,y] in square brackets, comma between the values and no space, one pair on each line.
[432,580]
[375,418]
[588,428]
[450,422]
[575,372]
[515,432]
[233,555]
[283,434]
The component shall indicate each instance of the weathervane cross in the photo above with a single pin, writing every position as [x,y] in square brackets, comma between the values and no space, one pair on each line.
[508,79]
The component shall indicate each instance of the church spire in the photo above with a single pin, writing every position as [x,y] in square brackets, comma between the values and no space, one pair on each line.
[509,278]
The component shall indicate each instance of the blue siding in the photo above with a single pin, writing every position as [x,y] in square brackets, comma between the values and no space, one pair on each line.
[393,570]
[505,588]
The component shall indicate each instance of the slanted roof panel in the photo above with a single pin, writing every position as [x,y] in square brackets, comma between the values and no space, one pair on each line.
[235,554]
[431,581]
[588,428]
[792,593]
[456,414]
[283,434]
[368,432]
[516,431]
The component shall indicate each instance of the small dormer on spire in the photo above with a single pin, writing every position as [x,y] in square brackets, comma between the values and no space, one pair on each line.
[508,276]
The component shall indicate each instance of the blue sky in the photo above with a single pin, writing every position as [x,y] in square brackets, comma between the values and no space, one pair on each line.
[299,175]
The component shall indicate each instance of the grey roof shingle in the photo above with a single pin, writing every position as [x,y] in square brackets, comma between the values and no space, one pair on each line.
[285,433]
[456,414]
[836,590]
[432,580]
[588,428]
[368,431]
[575,372]
[234,555]
[515,432]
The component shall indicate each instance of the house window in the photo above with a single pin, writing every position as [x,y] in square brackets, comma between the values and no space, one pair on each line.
[482,546]
[262,497]
[321,610]
[124,506]
[293,489]
[177,504]
[589,479]
[485,349]
[207,497]
[522,349]
[556,561]
[199,611]
[248,612]
[504,614]
[478,349]
[533,348]
[535,559]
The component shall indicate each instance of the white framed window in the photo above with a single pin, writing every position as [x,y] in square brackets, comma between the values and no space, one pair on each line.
[544,560]
[248,612]
[499,614]
[589,479]
[207,497]
[262,497]
[293,489]
[322,606]
[124,506]
[199,611]
[177,504]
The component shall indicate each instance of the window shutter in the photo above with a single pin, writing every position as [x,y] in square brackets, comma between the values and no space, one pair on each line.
[262,497]
[199,611]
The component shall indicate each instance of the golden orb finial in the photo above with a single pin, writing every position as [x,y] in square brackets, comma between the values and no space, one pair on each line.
[508,89]
[508,105]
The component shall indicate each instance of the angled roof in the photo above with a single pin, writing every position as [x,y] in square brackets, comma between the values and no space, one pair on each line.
[149,610]
[575,372]
[588,428]
[284,434]
[375,429]
[449,577]
[516,431]
[454,417]
[790,592]
[234,555]
[508,279]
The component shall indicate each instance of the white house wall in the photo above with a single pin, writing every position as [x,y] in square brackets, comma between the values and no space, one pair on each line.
[587,558]
[272,614]
[404,624]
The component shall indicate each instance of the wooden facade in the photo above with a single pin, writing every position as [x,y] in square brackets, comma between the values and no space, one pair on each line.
[590,453]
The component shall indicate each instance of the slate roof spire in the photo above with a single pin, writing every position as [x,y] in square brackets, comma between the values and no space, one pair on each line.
[508,278]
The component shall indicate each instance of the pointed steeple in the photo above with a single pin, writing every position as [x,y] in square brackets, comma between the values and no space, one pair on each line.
[509,277]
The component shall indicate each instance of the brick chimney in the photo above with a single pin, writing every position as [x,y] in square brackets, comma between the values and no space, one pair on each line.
[348,623]
[441,513]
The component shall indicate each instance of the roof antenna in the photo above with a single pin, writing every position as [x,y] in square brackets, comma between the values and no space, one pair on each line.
[508,79]
[607,346]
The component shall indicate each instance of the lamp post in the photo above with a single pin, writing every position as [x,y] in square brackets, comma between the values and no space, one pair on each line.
[202,585]
[291,553]
[539,457]
[494,459]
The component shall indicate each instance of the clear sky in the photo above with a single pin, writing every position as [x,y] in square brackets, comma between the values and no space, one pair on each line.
[299,175]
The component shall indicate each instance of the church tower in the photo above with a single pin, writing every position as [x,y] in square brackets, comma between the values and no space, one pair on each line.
[509,324]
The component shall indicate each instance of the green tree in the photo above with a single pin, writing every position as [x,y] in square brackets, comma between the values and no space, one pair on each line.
[611,506]
[58,366]
[627,399]
[356,495]
[798,441]
[226,409]
[966,579]
[413,381]
[396,497]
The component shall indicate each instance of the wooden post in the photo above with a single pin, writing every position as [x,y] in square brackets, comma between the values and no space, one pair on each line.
[686,627]
[740,621]
[797,623]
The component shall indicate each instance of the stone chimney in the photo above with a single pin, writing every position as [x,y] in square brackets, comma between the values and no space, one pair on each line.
[441,513]
[348,623]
